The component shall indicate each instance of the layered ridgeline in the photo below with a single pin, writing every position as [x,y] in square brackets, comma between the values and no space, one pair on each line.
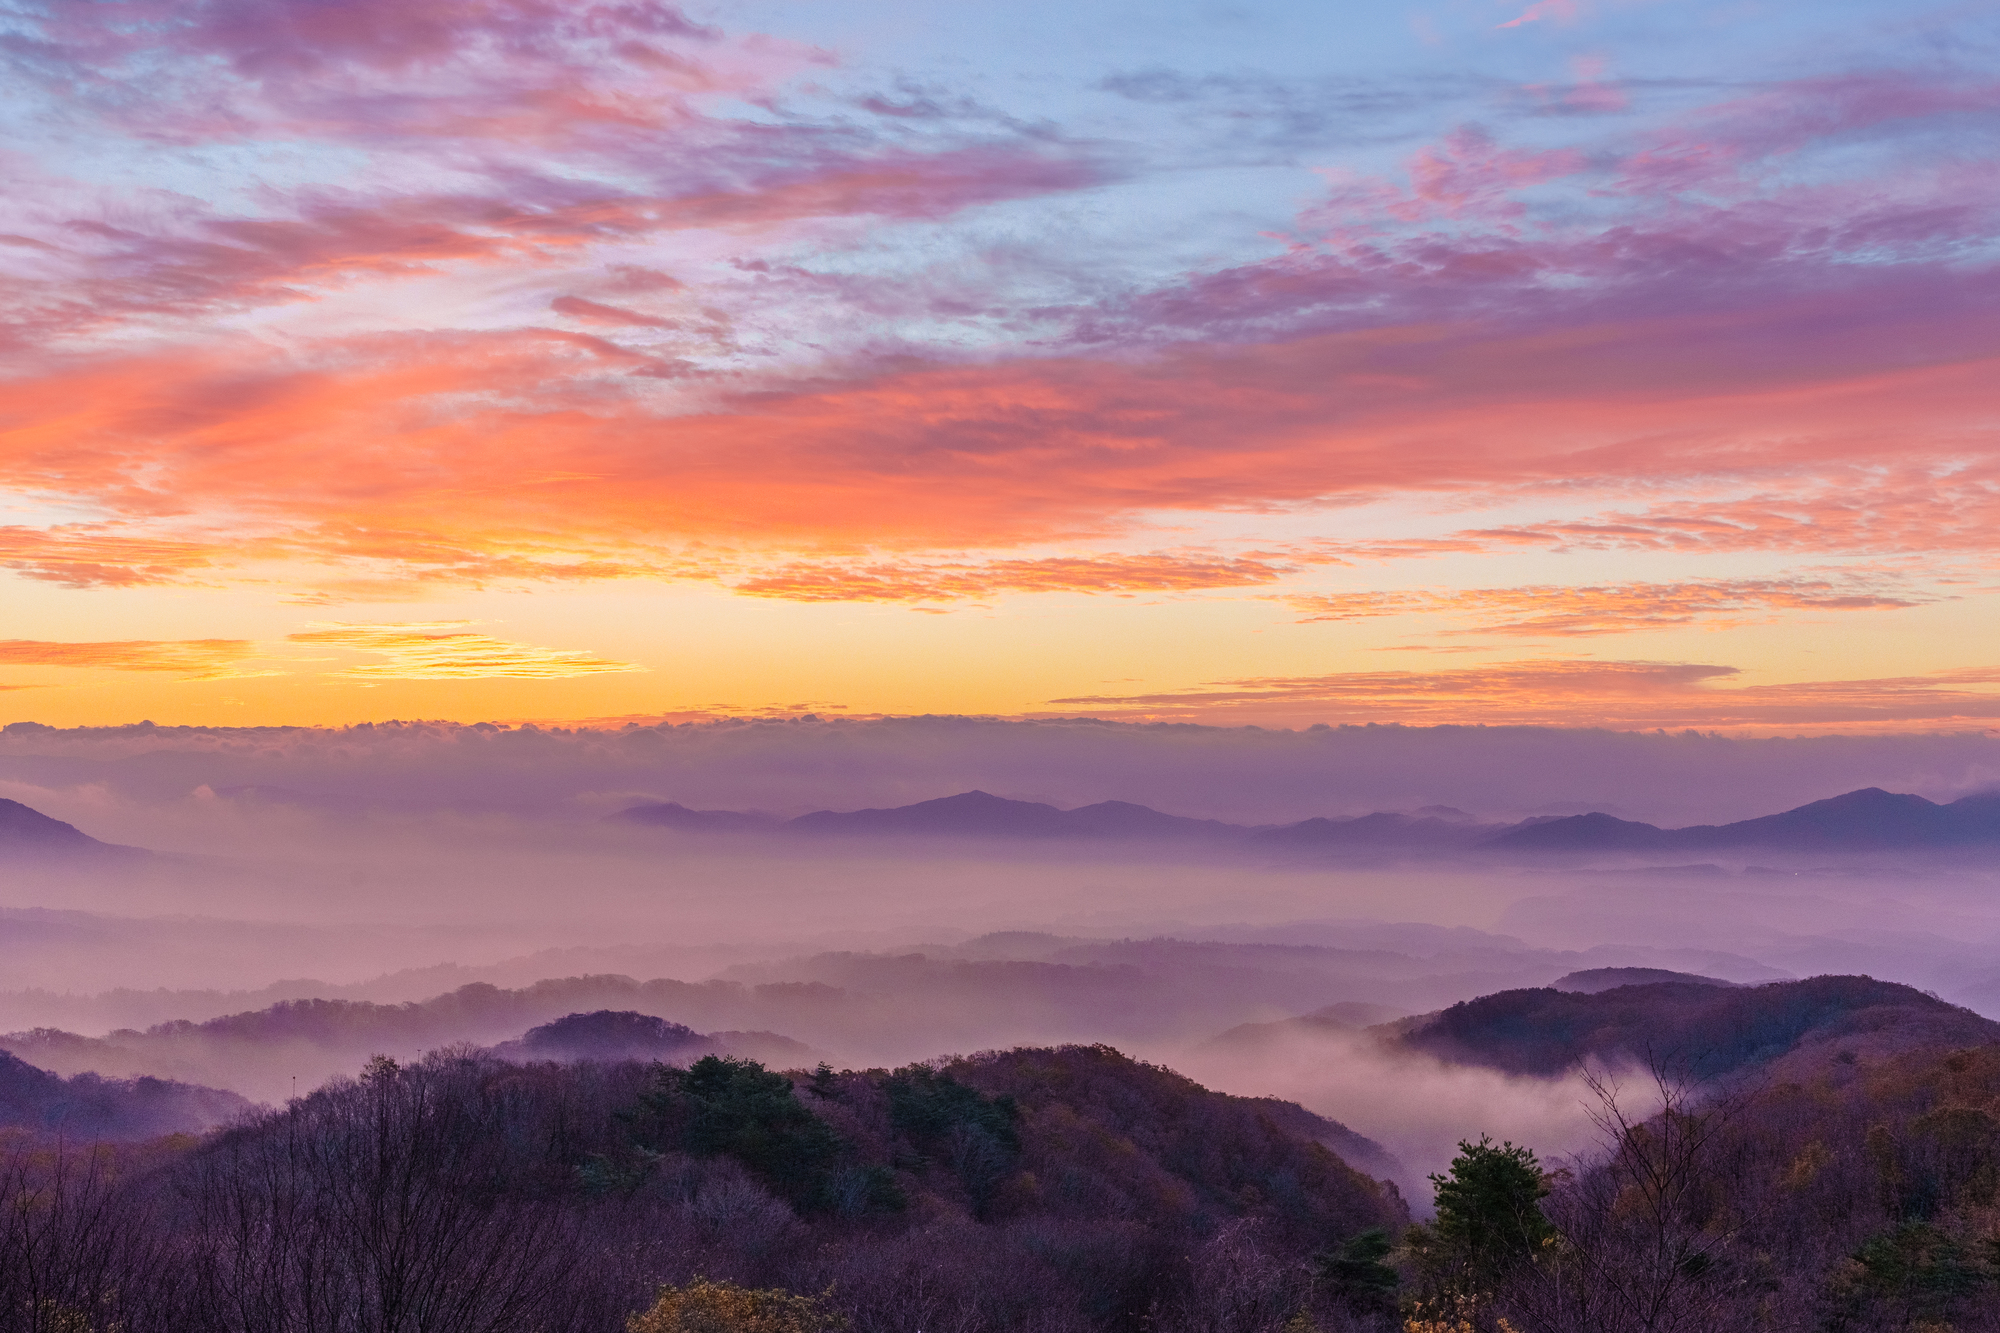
[269,1053]
[1829,1159]
[1868,820]
[1045,1189]
[1860,821]
[864,1008]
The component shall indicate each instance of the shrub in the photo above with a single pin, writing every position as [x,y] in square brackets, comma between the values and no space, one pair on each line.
[703,1306]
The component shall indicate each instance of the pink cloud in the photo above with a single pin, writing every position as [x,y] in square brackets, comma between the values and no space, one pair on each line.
[592,312]
[527,70]
[1570,612]
[1559,11]
[180,264]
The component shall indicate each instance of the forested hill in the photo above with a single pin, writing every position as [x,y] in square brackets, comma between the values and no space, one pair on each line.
[1053,1190]
[1702,1028]
[87,1107]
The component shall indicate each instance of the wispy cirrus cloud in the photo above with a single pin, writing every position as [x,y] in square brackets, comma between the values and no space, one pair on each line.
[447,650]
[109,555]
[946,581]
[1571,611]
[190,659]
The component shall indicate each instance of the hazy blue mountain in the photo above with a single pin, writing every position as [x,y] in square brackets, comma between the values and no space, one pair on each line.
[668,814]
[1381,830]
[1866,820]
[980,814]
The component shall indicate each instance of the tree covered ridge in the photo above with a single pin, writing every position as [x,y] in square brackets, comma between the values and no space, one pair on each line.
[1705,1031]
[1862,1198]
[1057,1189]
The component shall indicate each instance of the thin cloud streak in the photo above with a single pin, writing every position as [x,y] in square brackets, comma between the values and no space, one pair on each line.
[446,650]
[190,659]
[910,582]
[1633,696]
[1609,609]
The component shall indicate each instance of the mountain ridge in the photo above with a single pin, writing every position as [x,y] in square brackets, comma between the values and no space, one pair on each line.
[1867,819]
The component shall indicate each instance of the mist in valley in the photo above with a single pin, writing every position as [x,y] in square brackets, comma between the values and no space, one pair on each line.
[389,869]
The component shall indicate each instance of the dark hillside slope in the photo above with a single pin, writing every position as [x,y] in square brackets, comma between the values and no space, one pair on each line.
[87,1108]
[1857,1197]
[1705,1029]
[1052,1190]
[27,833]
[1143,1132]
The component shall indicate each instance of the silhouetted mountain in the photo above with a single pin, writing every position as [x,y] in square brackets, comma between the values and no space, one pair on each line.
[90,1108]
[1867,820]
[982,815]
[1698,1026]
[667,814]
[25,831]
[1594,979]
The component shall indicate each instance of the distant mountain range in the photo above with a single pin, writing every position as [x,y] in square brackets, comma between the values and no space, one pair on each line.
[1867,820]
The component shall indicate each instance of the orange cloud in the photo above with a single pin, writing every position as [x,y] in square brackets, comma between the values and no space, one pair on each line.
[190,659]
[103,555]
[910,582]
[1570,693]
[1610,609]
[445,650]
[543,452]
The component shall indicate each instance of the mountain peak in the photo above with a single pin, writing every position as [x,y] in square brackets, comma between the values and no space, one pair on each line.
[24,827]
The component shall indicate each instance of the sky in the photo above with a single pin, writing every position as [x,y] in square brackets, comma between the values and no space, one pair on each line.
[1604,363]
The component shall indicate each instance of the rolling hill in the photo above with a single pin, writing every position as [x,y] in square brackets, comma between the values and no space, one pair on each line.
[1698,1028]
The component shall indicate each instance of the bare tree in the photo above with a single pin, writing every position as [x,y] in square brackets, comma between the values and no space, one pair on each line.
[1644,1231]
[76,1251]
[385,1205]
